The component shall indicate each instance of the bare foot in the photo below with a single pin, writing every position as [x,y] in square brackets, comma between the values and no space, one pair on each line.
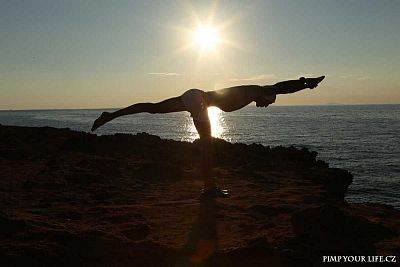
[104,117]
[313,82]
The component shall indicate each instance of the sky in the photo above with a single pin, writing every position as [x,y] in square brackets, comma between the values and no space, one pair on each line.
[105,54]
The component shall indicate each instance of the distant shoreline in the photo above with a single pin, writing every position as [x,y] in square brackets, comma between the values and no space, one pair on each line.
[250,106]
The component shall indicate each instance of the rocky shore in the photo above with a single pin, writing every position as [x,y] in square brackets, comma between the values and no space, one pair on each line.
[76,199]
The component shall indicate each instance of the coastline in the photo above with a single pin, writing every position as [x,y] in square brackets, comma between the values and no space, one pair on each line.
[132,200]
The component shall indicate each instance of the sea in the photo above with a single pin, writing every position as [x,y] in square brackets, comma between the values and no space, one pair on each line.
[363,139]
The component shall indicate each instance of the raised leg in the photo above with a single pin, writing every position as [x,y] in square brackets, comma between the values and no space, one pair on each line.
[169,105]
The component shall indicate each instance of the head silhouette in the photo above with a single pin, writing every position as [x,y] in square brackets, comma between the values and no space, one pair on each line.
[265,101]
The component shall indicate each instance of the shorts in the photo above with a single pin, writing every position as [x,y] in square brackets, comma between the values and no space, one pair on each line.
[194,102]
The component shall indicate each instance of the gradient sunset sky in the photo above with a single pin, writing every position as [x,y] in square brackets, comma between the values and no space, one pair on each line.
[100,54]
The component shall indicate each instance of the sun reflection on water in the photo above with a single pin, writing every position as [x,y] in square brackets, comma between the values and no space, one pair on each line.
[216,120]
[217,125]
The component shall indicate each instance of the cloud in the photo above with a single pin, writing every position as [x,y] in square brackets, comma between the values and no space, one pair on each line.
[358,77]
[363,78]
[255,78]
[165,73]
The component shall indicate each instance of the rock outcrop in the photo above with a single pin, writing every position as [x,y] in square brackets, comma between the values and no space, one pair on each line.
[76,199]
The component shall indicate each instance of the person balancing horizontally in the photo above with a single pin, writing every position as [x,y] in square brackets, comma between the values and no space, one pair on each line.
[197,101]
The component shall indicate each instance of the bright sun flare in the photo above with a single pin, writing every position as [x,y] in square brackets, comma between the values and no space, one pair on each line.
[206,37]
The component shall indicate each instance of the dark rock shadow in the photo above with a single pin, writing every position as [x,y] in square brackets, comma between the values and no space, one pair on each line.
[201,245]
[330,230]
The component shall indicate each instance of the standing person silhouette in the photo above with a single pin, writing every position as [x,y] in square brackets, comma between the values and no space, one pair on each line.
[197,101]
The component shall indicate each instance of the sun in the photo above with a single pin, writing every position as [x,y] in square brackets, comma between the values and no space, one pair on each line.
[206,37]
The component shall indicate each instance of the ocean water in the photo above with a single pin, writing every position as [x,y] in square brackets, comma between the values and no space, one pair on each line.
[364,139]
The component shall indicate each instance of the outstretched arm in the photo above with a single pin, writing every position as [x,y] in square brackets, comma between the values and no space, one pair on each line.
[292,86]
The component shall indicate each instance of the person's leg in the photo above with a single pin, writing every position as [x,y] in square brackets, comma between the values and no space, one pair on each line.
[174,104]
[204,130]
[291,86]
[210,188]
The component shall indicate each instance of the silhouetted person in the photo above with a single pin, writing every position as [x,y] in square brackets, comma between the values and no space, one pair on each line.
[197,101]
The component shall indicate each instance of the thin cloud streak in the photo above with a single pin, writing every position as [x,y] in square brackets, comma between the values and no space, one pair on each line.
[165,73]
[255,78]
[358,77]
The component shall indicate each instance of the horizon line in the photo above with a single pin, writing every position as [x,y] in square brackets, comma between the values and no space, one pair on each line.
[294,105]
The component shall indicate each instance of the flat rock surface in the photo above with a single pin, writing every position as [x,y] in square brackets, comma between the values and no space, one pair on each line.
[76,199]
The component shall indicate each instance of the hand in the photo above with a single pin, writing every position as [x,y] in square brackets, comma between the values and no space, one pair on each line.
[312,82]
